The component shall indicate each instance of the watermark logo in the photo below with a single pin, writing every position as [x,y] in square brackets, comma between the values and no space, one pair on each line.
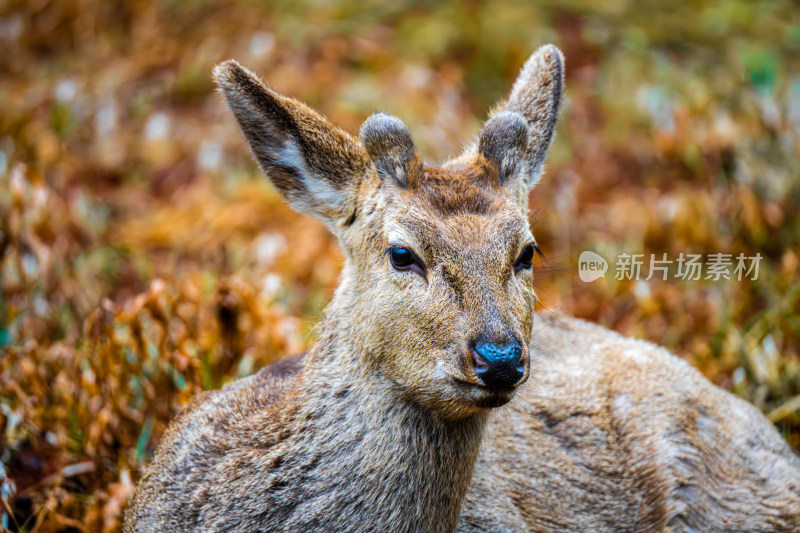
[686,267]
[591,266]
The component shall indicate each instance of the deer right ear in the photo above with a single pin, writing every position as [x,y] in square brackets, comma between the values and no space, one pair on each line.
[315,166]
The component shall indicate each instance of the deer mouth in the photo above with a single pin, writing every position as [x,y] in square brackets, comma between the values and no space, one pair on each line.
[481,396]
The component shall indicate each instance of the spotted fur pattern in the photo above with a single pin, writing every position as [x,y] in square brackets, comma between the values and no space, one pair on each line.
[384,425]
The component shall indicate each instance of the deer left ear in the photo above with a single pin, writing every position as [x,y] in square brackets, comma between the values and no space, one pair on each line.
[518,134]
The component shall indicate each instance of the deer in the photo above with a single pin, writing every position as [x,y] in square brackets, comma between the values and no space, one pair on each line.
[436,398]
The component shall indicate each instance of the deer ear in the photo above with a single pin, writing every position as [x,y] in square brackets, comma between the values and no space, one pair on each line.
[531,110]
[314,165]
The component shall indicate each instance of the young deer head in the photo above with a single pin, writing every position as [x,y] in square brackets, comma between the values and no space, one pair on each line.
[438,276]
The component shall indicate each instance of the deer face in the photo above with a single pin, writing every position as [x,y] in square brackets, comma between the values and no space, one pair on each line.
[437,289]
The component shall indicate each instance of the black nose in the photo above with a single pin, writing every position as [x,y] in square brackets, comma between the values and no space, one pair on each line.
[498,366]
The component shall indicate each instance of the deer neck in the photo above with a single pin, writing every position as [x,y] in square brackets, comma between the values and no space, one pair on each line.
[379,461]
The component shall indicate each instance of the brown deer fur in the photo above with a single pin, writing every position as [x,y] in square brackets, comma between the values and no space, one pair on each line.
[385,426]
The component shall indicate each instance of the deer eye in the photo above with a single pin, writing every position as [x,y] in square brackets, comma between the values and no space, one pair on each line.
[403,259]
[525,260]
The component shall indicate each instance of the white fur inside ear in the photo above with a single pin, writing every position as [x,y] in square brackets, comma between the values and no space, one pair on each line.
[399,173]
[534,175]
[321,193]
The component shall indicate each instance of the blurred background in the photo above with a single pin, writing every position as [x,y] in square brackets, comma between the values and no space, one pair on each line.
[144,259]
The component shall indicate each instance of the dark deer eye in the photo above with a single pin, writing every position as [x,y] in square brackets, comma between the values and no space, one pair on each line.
[401,258]
[525,260]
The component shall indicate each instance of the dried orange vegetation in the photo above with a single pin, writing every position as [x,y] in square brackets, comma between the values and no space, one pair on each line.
[144,260]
